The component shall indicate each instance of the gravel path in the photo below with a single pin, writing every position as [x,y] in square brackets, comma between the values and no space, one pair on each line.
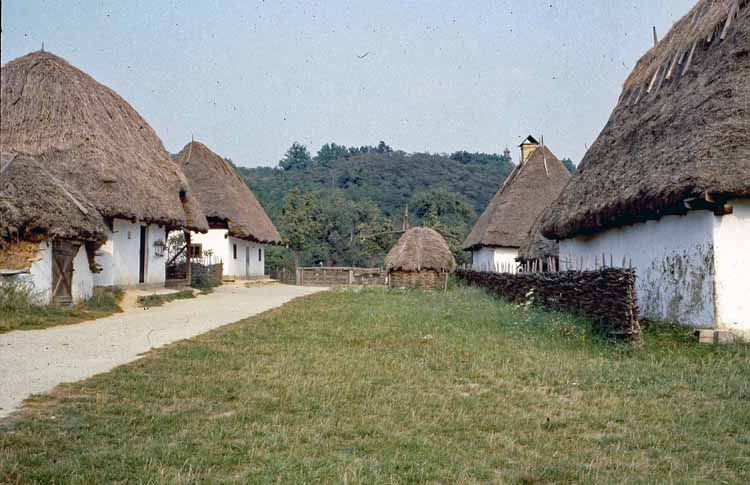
[35,361]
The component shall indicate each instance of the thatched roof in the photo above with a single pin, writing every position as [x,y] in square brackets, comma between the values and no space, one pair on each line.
[535,245]
[420,248]
[93,140]
[680,134]
[529,189]
[36,205]
[224,196]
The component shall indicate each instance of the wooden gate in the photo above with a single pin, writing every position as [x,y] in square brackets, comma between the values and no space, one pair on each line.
[63,254]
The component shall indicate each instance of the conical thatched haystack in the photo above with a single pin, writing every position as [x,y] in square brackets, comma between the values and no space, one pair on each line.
[681,129]
[90,138]
[224,196]
[420,258]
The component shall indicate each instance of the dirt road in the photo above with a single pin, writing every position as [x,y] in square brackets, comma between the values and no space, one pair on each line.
[35,361]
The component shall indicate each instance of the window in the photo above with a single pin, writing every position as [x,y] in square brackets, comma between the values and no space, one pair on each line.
[234,251]
[196,251]
[260,254]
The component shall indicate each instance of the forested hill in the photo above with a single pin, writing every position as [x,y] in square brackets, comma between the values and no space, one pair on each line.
[390,179]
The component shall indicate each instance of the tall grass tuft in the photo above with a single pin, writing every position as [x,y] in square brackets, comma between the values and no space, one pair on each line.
[20,307]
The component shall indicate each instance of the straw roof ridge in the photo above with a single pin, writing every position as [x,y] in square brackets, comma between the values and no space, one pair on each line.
[420,248]
[528,190]
[35,205]
[93,140]
[688,139]
[224,195]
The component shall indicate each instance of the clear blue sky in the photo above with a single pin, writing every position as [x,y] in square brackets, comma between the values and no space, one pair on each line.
[249,78]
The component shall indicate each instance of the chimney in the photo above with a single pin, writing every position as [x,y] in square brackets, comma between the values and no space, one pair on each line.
[527,147]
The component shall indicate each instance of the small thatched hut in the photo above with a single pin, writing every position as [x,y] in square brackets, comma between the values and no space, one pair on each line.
[503,227]
[666,185]
[48,231]
[239,226]
[421,258]
[92,140]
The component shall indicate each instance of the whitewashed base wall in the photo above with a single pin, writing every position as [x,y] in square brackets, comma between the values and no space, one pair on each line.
[119,257]
[250,260]
[40,275]
[487,259]
[693,269]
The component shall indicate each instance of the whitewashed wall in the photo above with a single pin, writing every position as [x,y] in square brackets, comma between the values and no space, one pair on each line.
[215,240]
[674,262]
[732,261]
[487,258]
[83,279]
[119,257]
[40,275]
[221,244]
[156,266]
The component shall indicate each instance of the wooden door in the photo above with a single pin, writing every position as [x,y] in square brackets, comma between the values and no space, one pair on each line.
[63,254]
[142,258]
[247,261]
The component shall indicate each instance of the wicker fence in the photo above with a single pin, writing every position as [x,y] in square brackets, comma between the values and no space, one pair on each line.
[606,296]
[333,276]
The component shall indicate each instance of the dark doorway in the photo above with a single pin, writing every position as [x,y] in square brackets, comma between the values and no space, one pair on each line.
[142,266]
[63,254]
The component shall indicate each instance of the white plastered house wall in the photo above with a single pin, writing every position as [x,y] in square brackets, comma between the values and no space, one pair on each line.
[119,258]
[40,275]
[247,260]
[494,259]
[693,269]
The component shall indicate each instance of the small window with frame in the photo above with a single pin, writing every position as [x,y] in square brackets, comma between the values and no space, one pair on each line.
[196,251]
[260,254]
[234,251]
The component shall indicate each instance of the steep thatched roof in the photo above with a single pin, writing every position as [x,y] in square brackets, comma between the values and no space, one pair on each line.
[535,245]
[420,248]
[93,140]
[529,189]
[35,205]
[224,196]
[680,134]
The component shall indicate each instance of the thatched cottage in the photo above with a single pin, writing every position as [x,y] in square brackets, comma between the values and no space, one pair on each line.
[420,258]
[49,232]
[504,225]
[93,141]
[239,228]
[666,186]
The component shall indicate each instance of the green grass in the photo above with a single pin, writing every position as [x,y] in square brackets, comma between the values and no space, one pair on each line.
[374,386]
[18,310]
[159,300]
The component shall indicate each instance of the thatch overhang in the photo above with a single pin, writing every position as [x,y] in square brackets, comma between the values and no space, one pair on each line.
[529,189]
[92,139]
[420,248]
[679,137]
[35,205]
[224,195]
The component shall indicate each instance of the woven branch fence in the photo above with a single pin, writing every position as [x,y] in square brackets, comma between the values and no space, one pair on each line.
[606,296]
[340,276]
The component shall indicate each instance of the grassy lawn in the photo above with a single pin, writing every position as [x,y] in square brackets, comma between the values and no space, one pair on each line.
[19,312]
[390,387]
